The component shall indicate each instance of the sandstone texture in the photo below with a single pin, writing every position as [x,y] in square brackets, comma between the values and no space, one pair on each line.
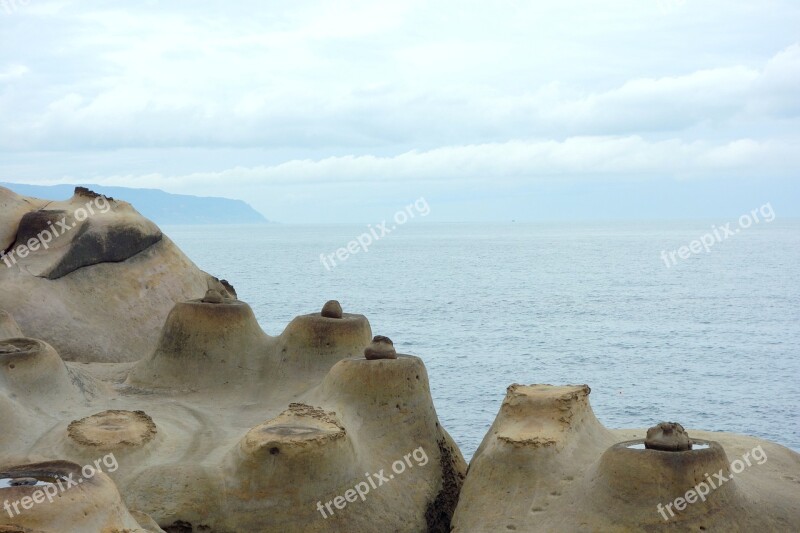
[89,275]
[380,348]
[139,394]
[223,428]
[547,464]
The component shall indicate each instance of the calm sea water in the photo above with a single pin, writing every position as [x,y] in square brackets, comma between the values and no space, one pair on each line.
[712,342]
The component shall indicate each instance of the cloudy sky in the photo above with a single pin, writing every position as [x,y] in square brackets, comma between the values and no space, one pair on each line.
[345,111]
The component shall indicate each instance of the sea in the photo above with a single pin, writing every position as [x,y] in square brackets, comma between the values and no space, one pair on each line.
[710,339]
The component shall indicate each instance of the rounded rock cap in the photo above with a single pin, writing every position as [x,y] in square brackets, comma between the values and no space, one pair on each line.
[212,297]
[332,309]
[668,437]
[380,348]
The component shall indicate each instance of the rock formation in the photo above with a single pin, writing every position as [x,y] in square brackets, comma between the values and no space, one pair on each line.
[69,270]
[332,309]
[8,326]
[547,464]
[138,394]
[224,428]
[57,496]
[380,348]
[668,437]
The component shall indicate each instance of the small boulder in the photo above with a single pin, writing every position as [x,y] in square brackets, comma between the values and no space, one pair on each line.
[380,348]
[668,437]
[332,309]
[212,297]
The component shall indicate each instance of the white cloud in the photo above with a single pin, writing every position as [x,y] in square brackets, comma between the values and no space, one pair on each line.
[629,157]
[13,72]
[368,93]
[359,74]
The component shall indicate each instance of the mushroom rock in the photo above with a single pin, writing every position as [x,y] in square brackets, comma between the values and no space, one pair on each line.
[8,326]
[312,344]
[86,262]
[302,443]
[206,345]
[380,348]
[547,464]
[63,498]
[380,396]
[332,309]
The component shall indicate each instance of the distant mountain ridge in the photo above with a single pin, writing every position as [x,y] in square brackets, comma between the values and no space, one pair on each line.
[159,206]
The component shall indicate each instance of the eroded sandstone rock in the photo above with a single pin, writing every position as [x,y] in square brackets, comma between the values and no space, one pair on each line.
[332,309]
[667,436]
[8,326]
[547,464]
[90,275]
[380,348]
[58,496]
[224,428]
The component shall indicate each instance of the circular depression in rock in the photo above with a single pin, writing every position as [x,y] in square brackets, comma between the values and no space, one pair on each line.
[113,429]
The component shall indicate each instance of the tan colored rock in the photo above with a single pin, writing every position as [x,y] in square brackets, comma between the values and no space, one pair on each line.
[212,297]
[380,348]
[32,372]
[246,432]
[63,499]
[206,345]
[12,208]
[668,437]
[311,344]
[547,464]
[332,309]
[113,429]
[8,326]
[96,260]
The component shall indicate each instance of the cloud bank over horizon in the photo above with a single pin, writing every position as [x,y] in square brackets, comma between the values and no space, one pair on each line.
[321,113]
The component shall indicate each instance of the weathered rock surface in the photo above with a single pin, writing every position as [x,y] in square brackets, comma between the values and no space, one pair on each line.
[547,464]
[380,348]
[332,309]
[223,428]
[56,496]
[90,276]
[215,426]
[668,437]
[8,326]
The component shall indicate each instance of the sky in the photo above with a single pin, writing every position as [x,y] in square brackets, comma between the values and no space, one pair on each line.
[346,111]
